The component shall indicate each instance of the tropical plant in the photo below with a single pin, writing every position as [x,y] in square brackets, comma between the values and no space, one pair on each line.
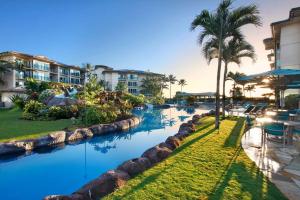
[33,107]
[171,79]
[19,100]
[182,83]
[221,25]
[134,100]
[34,87]
[121,87]
[152,86]
[46,94]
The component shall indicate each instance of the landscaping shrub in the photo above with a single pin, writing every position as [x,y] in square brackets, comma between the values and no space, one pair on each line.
[46,94]
[99,114]
[33,107]
[291,101]
[65,112]
[19,100]
[134,100]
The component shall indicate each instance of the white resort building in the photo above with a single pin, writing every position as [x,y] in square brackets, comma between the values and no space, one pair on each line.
[132,78]
[285,44]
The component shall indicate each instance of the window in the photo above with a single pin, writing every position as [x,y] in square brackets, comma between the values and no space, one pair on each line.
[42,76]
[38,65]
[64,71]
[64,79]
[132,91]
[74,72]
[132,84]
[132,76]
[75,81]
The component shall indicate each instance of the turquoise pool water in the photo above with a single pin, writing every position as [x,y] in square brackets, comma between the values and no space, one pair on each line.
[64,169]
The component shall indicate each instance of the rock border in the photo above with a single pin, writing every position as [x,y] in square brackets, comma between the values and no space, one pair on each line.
[114,179]
[58,137]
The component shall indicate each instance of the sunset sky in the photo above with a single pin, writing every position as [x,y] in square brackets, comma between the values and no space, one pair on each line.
[137,34]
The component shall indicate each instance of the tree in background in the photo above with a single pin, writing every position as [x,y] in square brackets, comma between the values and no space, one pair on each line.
[121,87]
[182,83]
[221,25]
[171,79]
[235,77]
[250,88]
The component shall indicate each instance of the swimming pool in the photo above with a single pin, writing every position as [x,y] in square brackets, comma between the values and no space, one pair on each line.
[65,168]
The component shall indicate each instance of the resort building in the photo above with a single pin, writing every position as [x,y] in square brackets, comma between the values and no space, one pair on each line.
[132,78]
[38,67]
[284,45]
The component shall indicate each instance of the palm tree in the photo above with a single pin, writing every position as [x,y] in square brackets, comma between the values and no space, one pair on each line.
[182,83]
[221,25]
[235,77]
[233,51]
[171,79]
[250,88]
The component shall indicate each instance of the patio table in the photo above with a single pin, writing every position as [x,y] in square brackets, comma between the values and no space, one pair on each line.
[288,123]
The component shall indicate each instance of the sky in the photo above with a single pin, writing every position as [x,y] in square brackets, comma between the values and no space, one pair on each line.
[133,34]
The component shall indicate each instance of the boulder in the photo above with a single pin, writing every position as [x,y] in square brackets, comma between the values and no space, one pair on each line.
[11,147]
[122,125]
[105,184]
[79,133]
[163,144]
[109,128]
[173,142]
[135,166]
[157,154]
[196,119]
[182,135]
[51,139]
[189,127]
[96,129]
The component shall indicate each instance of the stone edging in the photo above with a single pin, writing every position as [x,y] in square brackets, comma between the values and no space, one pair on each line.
[111,180]
[57,137]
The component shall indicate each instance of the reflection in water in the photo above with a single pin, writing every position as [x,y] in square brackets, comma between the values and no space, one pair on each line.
[51,170]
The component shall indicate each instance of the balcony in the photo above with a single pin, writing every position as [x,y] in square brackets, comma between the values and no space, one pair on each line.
[269,43]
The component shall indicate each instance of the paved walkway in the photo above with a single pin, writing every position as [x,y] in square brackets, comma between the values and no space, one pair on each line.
[281,164]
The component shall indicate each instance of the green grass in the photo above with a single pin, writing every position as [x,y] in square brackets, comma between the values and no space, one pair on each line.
[209,165]
[12,127]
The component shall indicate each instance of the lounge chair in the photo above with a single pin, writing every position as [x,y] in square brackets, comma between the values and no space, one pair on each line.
[249,109]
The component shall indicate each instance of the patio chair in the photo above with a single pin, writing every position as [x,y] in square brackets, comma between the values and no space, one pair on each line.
[276,129]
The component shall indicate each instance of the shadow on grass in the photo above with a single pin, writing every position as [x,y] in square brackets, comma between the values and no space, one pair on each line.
[233,139]
[151,178]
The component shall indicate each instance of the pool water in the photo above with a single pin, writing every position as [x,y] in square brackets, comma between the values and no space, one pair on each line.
[65,168]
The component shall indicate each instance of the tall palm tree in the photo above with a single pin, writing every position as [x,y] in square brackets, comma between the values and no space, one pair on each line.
[182,83]
[233,51]
[171,79]
[220,25]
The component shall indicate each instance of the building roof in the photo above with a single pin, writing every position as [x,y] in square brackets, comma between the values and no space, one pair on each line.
[131,71]
[294,16]
[38,57]
[104,67]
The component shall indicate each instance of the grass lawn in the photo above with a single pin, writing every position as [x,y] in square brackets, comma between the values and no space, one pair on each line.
[209,165]
[12,127]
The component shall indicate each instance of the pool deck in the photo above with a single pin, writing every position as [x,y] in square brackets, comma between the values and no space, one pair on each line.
[281,164]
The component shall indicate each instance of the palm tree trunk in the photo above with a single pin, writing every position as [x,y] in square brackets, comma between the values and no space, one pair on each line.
[170,91]
[223,100]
